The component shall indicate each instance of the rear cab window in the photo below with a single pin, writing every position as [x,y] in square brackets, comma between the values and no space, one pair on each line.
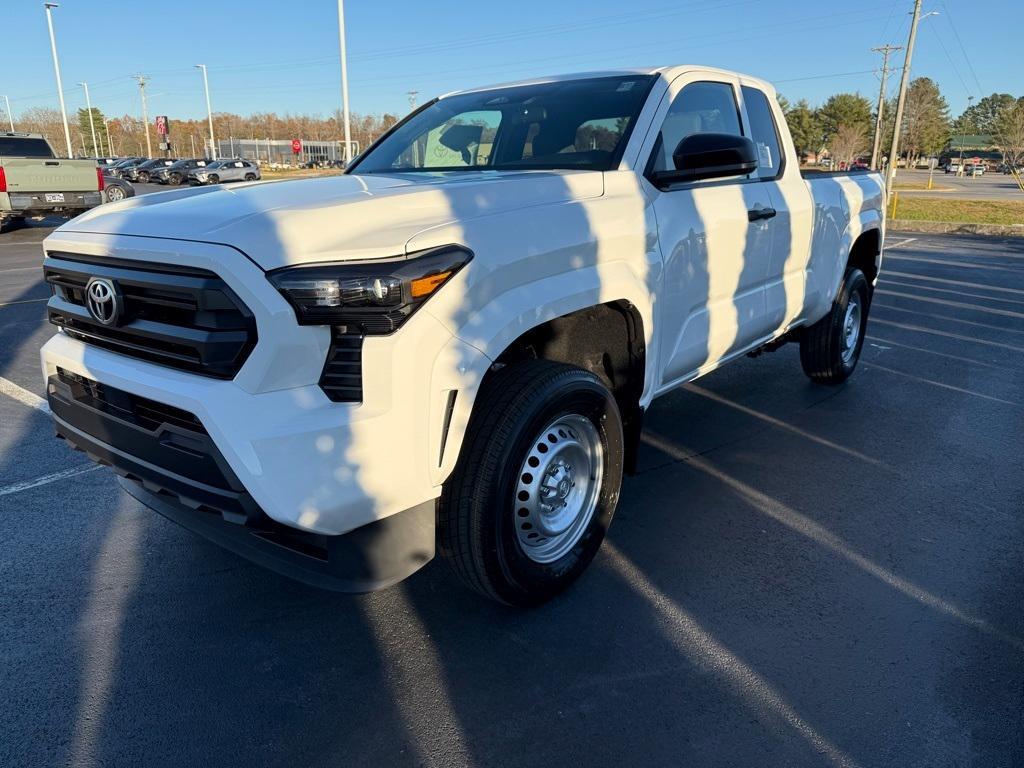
[764,132]
[12,146]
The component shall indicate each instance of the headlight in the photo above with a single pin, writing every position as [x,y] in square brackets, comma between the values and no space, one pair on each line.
[368,298]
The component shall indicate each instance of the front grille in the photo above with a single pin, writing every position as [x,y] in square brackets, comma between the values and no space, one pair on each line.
[342,377]
[181,317]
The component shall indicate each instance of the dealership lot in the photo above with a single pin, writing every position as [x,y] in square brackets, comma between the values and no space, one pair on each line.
[798,575]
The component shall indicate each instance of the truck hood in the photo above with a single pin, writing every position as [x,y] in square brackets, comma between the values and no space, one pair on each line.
[336,218]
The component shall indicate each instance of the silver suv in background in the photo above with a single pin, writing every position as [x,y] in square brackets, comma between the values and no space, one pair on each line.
[225,170]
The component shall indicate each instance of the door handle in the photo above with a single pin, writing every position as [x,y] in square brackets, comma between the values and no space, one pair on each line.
[757,214]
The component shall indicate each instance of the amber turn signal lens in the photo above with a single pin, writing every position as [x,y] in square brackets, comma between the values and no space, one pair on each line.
[424,286]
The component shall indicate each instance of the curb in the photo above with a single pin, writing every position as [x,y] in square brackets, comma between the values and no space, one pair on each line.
[954,227]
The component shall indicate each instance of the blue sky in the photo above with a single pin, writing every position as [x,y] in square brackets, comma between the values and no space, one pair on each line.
[283,57]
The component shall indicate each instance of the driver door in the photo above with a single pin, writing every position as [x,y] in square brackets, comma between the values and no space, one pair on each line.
[715,237]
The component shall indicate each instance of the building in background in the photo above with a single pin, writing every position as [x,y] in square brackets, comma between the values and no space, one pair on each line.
[279,151]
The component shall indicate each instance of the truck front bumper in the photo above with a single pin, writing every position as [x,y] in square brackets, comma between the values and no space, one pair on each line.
[166,459]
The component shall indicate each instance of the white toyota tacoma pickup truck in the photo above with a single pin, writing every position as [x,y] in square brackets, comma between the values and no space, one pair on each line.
[451,346]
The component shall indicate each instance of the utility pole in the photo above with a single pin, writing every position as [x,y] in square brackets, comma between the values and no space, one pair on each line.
[209,111]
[902,100]
[56,69]
[10,117]
[110,141]
[412,99]
[876,147]
[92,124]
[344,81]
[145,112]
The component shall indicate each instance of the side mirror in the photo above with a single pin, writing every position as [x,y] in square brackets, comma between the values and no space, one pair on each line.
[710,156]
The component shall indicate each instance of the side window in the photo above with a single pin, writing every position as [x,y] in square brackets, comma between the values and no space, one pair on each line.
[763,133]
[704,107]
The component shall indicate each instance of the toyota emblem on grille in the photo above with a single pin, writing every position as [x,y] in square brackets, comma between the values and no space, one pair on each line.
[103,300]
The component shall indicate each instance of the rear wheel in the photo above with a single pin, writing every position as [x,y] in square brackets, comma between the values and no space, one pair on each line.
[115,193]
[830,349]
[250,177]
[536,487]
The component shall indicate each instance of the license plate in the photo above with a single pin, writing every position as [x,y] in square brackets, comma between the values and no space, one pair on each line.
[55,197]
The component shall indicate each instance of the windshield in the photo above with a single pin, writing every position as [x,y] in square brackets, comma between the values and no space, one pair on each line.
[572,124]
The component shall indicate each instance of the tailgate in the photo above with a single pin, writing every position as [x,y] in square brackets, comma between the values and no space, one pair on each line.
[49,175]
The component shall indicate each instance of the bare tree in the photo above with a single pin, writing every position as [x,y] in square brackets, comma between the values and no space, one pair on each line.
[848,142]
[1009,133]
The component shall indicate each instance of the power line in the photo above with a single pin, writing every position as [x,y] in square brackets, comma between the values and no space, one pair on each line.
[963,50]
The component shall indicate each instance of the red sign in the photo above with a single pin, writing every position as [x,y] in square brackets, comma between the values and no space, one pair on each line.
[161,125]
[296,146]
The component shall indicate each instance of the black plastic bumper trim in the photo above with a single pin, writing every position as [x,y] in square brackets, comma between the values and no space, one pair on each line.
[369,558]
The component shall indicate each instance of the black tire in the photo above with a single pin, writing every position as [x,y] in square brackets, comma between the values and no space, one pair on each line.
[479,513]
[213,178]
[143,177]
[115,193]
[250,177]
[825,355]
[174,178]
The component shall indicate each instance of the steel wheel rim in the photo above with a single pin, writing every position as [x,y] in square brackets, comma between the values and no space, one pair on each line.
[851,327]
[558,488]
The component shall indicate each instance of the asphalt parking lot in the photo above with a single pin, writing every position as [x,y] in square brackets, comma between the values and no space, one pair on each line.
[797,576]
[990,186]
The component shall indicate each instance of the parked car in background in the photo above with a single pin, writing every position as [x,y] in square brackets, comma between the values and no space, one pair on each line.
[976,170]
[953,167]
[177,173]
[121,168]
[34,182]
[859,165]
[450,348]
[144,171]
[225,170]
[116,189]
[106,162]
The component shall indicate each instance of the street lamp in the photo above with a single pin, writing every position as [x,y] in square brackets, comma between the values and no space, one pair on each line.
[963,138]
[10,117]
[56,70]
[344,81]
[209,111]
[92,124]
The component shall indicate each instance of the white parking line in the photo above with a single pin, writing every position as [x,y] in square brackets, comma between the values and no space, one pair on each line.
[23,301]
[898,243]
[23,396]
[46,479]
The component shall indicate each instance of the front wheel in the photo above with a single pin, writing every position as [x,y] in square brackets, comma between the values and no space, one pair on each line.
[527,507]
[830,349]
[213,178]
[174,178]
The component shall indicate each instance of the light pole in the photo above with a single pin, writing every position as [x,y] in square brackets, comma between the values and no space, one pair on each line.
[110,141]
[56,70]
[344,81]
[902,100]
[10,117]
[963,138]
[209,111]
[92,124]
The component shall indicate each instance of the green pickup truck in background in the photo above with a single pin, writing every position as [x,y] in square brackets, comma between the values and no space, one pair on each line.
[35,183]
